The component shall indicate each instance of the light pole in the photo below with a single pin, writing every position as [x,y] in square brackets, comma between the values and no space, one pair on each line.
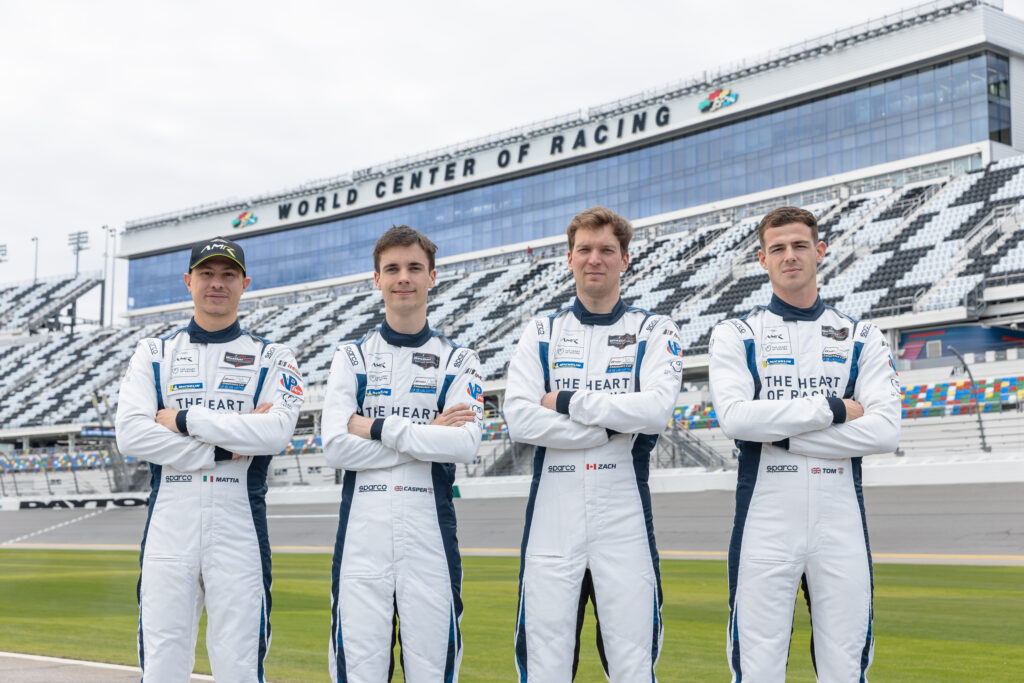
[35,267]
[113,268]
[79,242]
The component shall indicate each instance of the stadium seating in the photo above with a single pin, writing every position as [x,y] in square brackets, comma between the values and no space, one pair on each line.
[28,304]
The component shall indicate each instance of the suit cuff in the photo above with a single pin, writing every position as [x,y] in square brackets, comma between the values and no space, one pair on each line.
[181,421]
[221,454]
[377,428]
[838,409]
[562,401]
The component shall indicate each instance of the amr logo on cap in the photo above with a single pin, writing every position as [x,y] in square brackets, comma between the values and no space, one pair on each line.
[221,246]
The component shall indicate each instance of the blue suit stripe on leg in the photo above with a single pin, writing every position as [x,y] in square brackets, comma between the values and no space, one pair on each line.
[520,638]
[337,637]
[865,656]
[641,453]
[256,483]
[155,477]
[443,476]
[750,461]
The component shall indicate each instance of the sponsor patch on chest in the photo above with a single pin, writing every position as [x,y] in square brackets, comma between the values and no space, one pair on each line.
[775,341]
[227,382]
[621,341]
[838,334]
[423,385]
[184,370]
[238,360]
[620,364]
[184,386]
[426,360]
[186,357]
[378,362]
[834,354]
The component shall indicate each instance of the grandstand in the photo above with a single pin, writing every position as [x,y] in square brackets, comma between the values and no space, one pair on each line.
[29,306]
[926,238]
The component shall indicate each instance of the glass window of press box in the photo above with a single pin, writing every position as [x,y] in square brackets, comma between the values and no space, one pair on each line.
[938,107]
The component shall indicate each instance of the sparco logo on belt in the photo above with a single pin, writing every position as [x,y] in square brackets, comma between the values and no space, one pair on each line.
[781,468]
[555,469]
[365,488]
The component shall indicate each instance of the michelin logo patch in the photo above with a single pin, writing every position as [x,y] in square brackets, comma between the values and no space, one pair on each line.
[185,386]
[776,361]
[566,364]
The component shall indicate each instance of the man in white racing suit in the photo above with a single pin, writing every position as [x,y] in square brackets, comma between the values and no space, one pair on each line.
[592,387]
[806,392]
[403,405]
[207,406]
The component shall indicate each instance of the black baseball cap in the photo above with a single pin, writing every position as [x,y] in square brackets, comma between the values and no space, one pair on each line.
[218,246]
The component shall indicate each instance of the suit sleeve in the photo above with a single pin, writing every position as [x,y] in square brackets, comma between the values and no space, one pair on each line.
[732,394]
[342,450]
[878,431]
[530,422]
[649,409]
[436,443]
[139,434]
[263,434]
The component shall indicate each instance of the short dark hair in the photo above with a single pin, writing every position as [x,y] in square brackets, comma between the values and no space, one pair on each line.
[784,215]
[595,218]
[403,236]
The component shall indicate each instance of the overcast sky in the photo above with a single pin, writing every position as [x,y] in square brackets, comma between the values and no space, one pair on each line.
[118,110]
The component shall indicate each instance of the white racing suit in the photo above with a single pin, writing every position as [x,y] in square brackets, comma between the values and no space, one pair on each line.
[205,540]
[589,529]
[777,377]
[396,556]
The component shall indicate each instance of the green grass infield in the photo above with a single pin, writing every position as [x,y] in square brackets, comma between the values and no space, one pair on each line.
[932,622]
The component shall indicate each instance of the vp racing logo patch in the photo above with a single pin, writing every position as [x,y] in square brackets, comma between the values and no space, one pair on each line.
[291,384]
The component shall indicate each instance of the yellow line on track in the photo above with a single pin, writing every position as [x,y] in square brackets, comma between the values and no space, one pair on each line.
[945,556]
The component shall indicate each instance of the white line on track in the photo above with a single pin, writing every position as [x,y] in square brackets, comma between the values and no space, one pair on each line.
[81,662]
[52,527]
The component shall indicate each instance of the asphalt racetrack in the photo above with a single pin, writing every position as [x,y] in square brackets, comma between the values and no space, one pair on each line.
[964,524]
